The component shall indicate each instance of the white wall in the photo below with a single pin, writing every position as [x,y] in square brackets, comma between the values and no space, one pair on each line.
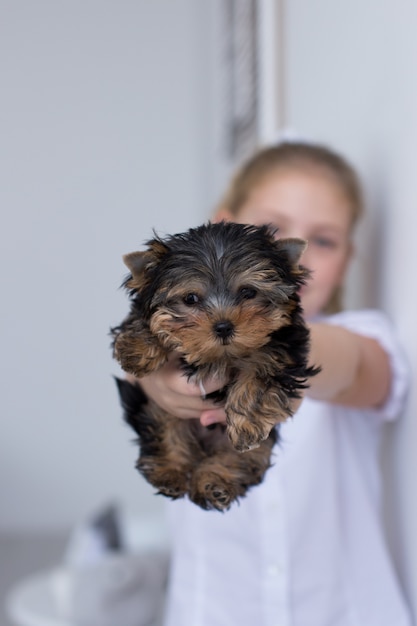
[104,129]
[352,82]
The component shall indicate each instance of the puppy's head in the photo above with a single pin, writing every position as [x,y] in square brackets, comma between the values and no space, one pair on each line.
[217,291]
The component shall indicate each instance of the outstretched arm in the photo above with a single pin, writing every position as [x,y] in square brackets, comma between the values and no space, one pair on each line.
[355,372]
[355,369]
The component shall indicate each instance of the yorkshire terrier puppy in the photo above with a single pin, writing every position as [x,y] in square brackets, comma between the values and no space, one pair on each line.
[225,297]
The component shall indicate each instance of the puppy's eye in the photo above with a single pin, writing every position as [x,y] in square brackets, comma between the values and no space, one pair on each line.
[191,299]
[247,293]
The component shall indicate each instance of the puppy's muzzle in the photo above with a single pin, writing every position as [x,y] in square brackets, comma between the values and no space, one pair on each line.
[224,329]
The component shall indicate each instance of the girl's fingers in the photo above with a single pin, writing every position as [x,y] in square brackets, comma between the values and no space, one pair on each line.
[212,416]
[188,386]
[178,395]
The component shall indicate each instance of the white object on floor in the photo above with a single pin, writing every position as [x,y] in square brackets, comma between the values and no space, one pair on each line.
[105,589]
[33,602]
[123,589]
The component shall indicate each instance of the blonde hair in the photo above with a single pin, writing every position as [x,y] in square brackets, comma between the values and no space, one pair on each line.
[302,157]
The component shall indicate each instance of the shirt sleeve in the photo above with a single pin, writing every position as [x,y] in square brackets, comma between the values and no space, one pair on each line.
[376,325]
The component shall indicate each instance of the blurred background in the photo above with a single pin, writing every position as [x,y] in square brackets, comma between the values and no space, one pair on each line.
[120,117]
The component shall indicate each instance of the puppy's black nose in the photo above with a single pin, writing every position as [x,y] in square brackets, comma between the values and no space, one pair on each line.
[224,329]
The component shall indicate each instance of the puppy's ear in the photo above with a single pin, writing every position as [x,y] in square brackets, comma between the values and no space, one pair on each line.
[293,248]
[141,263]
[135,262]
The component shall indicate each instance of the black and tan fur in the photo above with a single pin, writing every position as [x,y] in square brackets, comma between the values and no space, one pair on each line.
[225,297]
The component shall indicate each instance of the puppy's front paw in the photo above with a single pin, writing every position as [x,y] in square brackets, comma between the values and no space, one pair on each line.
[244,434]
[138,353]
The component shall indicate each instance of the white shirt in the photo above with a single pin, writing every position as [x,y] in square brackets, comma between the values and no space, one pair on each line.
[306,547]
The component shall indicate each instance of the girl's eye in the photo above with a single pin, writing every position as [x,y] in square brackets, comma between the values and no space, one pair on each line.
[191,299]
[247,293]
[324,242]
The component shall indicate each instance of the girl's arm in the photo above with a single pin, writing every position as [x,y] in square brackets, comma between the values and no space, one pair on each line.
[355,369]
[355,372]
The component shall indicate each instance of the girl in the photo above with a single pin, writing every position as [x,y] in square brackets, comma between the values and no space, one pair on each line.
[306,547]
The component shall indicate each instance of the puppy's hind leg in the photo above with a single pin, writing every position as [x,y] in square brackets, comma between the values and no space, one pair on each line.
[168,451]
[225,475]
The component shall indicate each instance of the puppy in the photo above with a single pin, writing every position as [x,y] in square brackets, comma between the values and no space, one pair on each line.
[224,296]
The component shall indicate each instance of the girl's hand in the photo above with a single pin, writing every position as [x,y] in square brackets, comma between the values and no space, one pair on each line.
[183,398]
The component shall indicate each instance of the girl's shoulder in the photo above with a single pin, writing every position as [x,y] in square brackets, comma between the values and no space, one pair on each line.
[370,322]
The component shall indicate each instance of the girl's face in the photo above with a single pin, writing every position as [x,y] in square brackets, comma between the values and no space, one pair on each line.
[309,205]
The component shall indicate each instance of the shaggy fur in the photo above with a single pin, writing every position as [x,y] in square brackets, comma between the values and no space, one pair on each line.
[224,296]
